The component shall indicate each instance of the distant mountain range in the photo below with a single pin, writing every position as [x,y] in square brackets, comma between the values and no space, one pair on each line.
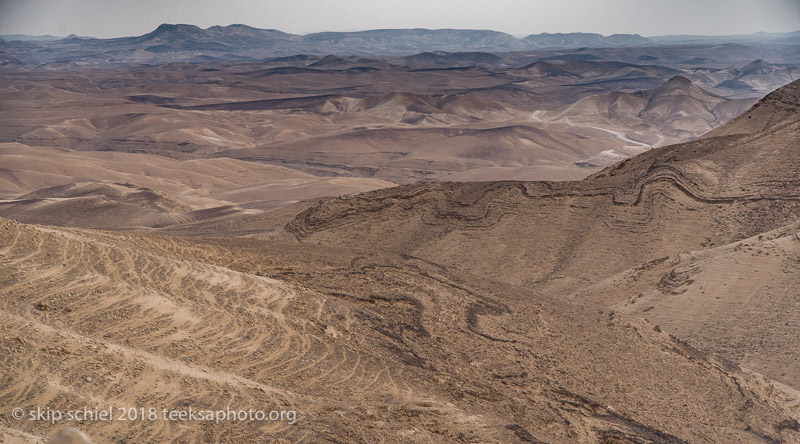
[26,37]
[233,43]
[789,38]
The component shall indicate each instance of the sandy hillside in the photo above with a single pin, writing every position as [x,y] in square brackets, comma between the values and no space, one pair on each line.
[402,349]
[538,244]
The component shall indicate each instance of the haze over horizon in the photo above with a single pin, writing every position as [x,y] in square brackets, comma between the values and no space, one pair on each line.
[517,17]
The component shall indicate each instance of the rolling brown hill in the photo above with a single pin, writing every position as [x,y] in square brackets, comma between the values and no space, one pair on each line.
[680,109]
[58,186]
[751,80]
[441,312]
[225,230]
[620,239]
[738,300]
[385,348]
[777,108]
[713,190]
[383,118]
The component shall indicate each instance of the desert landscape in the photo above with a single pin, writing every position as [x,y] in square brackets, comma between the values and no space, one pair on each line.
[400,235]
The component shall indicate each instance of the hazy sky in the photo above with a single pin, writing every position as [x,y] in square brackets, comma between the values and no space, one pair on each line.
[115,18]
